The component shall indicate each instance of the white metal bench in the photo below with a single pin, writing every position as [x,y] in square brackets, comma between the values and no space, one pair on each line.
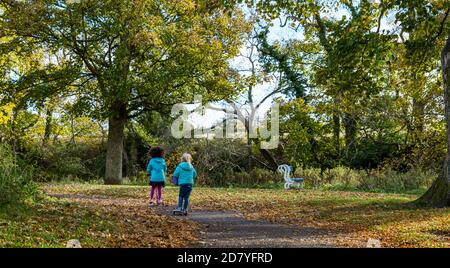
[290,182]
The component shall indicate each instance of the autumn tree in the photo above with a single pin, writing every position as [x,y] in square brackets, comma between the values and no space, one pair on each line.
[439,193]
[133,56]
[359,54]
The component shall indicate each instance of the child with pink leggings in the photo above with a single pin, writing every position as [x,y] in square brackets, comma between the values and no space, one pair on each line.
[157,169]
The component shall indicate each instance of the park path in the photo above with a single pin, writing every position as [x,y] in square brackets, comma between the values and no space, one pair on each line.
[226,229]
[229,229]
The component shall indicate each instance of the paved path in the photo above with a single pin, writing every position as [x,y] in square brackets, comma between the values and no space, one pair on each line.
[229,229]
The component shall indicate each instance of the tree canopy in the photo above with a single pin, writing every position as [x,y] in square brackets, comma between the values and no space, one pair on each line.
[360,82]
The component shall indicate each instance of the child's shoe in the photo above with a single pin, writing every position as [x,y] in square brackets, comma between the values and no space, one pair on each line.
[178,211]
[184,212]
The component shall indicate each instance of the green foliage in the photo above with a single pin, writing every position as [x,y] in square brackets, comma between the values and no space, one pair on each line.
[377,180]
[118,59]
[174,49]
[307,141]
[15,180]
[359,95]
[65,162]
[255,178]
[276,58]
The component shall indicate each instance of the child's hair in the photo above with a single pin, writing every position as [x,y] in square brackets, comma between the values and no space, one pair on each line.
[186,158]
[156,152]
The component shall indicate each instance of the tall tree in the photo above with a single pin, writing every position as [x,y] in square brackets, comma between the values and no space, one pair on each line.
[141,55]
[439,193]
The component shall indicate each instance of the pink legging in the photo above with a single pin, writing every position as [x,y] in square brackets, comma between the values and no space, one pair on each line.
[158,194]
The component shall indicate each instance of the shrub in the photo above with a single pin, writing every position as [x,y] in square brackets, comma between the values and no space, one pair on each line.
[58,162]
[385,179]
[394,181]
[142,178]
[15,181]
[254,178]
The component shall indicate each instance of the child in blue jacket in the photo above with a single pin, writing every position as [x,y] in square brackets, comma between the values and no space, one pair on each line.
[157,169]
[186,175]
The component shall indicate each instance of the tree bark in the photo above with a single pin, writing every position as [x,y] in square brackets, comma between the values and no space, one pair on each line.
[337,123]
[114,152]
[439,193]
[48,126]
[72,130]
[269,158]
[249,143]
[350,133]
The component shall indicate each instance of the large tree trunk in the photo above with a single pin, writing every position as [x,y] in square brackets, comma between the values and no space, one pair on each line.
[114,152]
[439,193]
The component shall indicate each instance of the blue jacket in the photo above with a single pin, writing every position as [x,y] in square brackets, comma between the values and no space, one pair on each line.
[157,169]
[185,173]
